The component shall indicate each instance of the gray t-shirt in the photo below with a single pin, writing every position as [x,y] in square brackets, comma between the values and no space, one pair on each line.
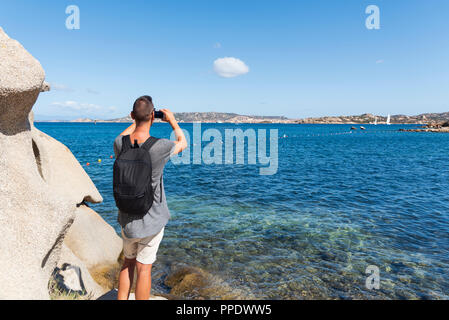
[158,215]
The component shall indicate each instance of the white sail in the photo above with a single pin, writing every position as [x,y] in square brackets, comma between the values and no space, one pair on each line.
[375,121]
[388,119]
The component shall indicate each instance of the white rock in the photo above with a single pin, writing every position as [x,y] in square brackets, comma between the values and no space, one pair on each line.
[21,81]
[92,240]
[62,172]
[33,221]
[94,290]
[72,278]
[40,183]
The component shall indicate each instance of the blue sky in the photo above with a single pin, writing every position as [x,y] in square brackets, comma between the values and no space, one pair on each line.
[305,58]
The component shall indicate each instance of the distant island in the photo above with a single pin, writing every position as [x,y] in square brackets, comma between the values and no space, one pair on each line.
[208,117]
[218,117]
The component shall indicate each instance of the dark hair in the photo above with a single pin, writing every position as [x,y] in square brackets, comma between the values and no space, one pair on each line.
[143,108]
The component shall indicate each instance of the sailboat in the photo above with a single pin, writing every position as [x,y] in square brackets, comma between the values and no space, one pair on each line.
[375,121]
[388,120]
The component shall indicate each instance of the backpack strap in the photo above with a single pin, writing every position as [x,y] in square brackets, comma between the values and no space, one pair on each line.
[126,143]
[149,143]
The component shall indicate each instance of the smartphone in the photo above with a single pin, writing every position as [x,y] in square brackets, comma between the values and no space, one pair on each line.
[158,114]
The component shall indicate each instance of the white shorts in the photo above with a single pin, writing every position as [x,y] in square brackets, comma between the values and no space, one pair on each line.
[143,250]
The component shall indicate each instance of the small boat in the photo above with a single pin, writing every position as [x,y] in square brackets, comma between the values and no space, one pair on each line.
[363,128]
[353,128]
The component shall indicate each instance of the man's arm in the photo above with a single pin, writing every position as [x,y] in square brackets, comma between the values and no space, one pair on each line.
[129,130]
[181,142]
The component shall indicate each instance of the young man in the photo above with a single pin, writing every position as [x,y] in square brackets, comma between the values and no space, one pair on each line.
[143,234]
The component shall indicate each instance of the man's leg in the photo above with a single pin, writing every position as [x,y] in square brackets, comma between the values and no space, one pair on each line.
[125,280]
[143,285]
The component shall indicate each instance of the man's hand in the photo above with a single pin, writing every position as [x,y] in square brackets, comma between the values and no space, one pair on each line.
[181,142]
[168,116]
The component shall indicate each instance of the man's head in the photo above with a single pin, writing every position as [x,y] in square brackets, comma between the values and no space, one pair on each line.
[143,109]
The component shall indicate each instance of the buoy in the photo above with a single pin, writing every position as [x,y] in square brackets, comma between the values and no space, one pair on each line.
[88,164]
[99,160]
[112,157]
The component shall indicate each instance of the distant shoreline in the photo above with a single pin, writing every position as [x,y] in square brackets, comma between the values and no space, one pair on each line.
[219,117]
[207,122]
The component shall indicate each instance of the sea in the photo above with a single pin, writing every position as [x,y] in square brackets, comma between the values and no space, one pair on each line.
[347,214]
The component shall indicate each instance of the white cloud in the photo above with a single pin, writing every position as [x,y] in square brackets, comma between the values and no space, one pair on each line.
[60,87]
[84,108]
[230,67]
[77,106]
[92,91]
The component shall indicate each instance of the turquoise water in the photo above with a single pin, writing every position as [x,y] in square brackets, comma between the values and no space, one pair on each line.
[340,201]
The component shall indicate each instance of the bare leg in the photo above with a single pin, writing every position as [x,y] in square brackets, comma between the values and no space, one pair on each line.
[143,285]
[125,280]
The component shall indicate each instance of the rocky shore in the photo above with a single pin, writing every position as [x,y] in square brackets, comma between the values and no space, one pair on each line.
[432,127]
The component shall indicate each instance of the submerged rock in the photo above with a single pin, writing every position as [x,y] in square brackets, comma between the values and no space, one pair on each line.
[195,283]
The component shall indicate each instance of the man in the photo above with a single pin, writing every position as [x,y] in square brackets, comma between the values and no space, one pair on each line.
[143,234]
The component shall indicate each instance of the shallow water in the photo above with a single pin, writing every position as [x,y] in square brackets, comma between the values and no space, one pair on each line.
[340,202]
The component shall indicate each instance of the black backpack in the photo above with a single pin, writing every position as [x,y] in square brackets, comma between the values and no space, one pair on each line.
[132,181]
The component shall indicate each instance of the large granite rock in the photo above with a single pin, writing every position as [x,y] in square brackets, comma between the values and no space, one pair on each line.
[41,183]
[61,171]
[21,81]
[92,240]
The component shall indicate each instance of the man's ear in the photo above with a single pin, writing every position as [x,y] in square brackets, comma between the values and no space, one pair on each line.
[132,115]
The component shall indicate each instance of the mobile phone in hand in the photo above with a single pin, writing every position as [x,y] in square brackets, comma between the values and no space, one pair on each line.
[158,114]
